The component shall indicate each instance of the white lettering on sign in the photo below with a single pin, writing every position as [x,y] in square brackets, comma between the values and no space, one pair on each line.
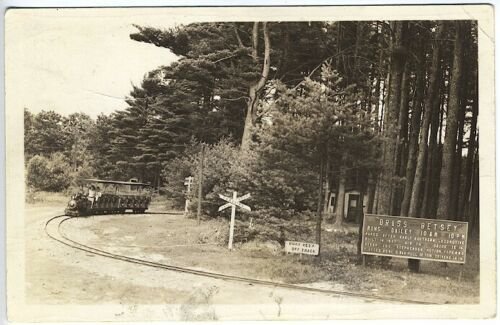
[297,247]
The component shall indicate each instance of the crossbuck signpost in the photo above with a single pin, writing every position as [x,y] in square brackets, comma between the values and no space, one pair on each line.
[233,202]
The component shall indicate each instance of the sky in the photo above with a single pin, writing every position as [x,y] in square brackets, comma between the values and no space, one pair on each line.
[78,60]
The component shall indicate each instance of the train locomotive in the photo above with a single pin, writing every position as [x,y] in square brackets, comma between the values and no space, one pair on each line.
[114,197]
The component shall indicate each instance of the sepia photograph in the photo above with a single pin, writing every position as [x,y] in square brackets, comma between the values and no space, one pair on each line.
[250,163]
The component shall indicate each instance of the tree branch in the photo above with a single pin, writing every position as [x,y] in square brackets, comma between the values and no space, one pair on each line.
[236,99]
[255,40]
[226,58]
[240,43]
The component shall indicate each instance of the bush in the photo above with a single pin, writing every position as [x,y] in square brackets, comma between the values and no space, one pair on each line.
[283,190]
[274,225]
[38,172]
[52,174]
[274,179]
[218,174]
[60,175]
[176,170]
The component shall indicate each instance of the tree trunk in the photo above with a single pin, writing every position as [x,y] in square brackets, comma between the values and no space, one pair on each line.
[450,141]
[474,197]
[326,199]
[402,137]
[376,197]
[368,95]
[467,91]
[416,117]
[398,60]
[238,38]
[354,71]
[255,41]
[255,89]
[457,170]
[319,217]
[339,46]
[340,199]
[379,92]
[371,194]
[471,148]
[360,219]
[430,105]
[435,181]
[432,165]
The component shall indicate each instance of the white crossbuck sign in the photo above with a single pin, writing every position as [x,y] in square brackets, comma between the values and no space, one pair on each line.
[233,202]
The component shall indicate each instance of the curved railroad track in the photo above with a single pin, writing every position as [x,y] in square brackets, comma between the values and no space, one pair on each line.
[53,230]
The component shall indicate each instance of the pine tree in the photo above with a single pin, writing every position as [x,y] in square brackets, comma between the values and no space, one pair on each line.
[398,61]
[317,122]
[450,140]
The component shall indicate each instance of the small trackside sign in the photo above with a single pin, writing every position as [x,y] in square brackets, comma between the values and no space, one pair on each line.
[297,247]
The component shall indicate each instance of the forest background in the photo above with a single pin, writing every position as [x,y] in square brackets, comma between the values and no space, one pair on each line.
[290,112]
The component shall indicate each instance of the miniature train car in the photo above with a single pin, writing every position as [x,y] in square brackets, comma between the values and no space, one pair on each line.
[106,197]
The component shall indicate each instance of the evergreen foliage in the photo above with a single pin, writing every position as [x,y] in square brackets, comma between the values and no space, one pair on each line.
[339,98]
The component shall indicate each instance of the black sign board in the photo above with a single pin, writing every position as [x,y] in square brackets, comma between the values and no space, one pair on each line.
[424,239]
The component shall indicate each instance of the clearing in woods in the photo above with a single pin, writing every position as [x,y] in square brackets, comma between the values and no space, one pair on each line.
[177,240]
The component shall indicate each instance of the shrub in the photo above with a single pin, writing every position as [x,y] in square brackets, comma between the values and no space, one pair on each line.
[38,173]
[218,174]
[274,179]
[60,175]
[52,174]
[274,225]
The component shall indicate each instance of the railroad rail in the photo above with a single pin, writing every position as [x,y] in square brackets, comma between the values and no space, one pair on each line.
[53,230]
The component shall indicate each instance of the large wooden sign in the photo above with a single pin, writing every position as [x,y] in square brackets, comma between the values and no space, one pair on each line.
[298,247]
[424,239]
[233,202]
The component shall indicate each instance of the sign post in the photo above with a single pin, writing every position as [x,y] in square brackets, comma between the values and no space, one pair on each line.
[233,203]
[188,181]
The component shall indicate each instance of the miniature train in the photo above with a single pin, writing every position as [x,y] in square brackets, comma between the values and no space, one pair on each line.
[114,197]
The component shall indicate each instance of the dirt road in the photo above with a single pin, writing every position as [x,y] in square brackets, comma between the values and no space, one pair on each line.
[58,275]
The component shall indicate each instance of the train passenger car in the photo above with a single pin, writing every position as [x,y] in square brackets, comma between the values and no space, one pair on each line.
[105,197]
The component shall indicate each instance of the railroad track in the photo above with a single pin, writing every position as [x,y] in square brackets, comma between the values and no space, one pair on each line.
[53,230]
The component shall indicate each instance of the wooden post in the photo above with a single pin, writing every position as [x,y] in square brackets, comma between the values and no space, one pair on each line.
[186,208]
[319,212]
[200,184]
[231,227]
[188,181]
[360,214]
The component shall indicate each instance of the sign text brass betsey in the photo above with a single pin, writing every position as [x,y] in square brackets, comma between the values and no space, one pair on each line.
[426,239]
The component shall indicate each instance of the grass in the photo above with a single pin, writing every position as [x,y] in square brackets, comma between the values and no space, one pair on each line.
[46,198]
[181,241]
